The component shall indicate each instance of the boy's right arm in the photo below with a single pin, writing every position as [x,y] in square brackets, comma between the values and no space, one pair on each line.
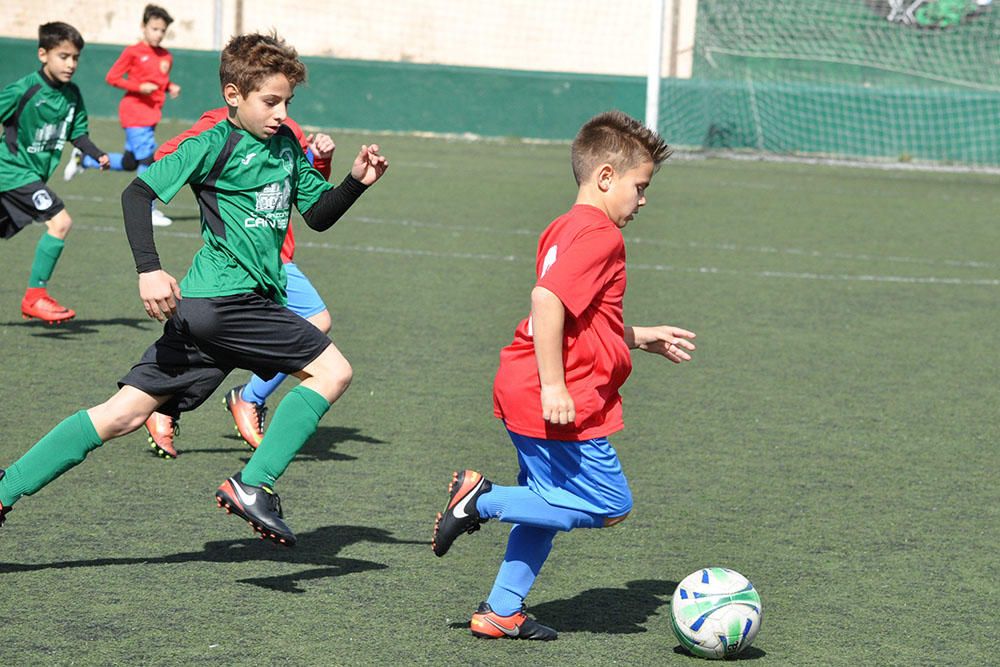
[548,317]
[157,288]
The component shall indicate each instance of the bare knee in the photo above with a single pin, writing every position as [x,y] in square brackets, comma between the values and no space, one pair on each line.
[615,520]
[321,321]
[330,375]
[60,224]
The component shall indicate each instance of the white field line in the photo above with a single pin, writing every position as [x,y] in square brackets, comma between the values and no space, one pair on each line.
[638,240]
[704,270]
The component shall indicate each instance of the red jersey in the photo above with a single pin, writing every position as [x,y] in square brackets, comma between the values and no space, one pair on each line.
[581,259]
[210,119]
[138,64]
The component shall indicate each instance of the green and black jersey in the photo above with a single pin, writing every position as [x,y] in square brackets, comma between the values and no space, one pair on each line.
[39,115]
[245,189]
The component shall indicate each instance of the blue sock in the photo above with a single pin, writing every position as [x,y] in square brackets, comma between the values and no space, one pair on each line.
[257,390]
[527,549]
[519,504]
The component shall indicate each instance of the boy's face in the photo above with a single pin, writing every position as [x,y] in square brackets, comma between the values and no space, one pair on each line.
[153,32]
[59,63]
[262,111]
[624,191]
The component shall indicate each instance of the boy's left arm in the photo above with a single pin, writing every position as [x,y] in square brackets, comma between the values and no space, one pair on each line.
[368,167]
[667,341]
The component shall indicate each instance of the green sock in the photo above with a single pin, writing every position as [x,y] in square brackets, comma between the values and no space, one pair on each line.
[46,255]
[295,419]
[62,448]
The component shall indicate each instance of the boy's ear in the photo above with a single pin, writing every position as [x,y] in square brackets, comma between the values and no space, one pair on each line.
[231,94]
[604,175]
[41,54]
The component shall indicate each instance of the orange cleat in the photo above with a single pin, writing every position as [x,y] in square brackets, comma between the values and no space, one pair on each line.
[162,429]
[488,624]
[46,309]
[249,417]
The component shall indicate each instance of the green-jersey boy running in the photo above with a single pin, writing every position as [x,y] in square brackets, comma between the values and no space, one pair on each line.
[246,172]
[40,112]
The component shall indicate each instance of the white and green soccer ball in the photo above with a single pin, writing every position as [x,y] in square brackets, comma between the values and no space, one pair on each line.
[715,613]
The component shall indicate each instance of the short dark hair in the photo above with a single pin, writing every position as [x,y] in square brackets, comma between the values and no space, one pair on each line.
[156,12]
[248,60]
[51,35]
[618,139]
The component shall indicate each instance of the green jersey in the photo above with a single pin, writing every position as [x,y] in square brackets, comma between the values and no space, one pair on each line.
[245,189]
[39,116]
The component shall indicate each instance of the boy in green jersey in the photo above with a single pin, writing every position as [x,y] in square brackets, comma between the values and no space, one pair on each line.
[228,312]
[39,113]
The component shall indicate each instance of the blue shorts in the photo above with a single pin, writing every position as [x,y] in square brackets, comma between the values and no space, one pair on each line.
[303,299]
[584,476]
[140,141]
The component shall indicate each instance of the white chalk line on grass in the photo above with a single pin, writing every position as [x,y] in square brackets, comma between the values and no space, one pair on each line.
[705,270]
[639,240]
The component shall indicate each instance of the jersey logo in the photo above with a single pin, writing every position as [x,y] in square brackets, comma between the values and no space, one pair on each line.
[143,59]
[245,161]
[164,66]
[287,159]
[42,200]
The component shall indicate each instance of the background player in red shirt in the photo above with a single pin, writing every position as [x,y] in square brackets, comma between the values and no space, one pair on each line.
[143,72]
[557,386]
[246,402]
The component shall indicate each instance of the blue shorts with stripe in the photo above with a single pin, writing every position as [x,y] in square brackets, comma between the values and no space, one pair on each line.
[585,475]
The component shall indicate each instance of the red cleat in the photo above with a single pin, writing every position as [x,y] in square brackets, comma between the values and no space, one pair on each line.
[249,417]
[487,624]
[46,309]
[162,429]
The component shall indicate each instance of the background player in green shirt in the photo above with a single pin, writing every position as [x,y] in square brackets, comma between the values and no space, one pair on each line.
[40,112]
[246,173]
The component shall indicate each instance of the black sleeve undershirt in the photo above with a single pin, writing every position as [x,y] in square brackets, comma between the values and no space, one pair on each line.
[84,143]
[137,202]
[333,203]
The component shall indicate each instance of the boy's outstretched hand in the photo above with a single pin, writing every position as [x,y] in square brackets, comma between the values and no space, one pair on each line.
[321,145]
[673,343]
[369,166]
[159,293]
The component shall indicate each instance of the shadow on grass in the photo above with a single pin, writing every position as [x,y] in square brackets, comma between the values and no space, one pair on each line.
[752,653]
[317,548]
[320,447]
[608,611]
[78,327]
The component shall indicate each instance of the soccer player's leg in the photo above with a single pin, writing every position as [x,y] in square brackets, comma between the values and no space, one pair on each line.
[68,444]
[37,303]
[247,403]
[283,342]
[502,615]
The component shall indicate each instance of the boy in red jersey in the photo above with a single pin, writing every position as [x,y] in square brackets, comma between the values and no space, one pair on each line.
[40,112]
[246,403]
[557,386]
[143,72]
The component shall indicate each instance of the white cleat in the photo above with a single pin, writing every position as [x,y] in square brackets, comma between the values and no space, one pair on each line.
[160,220]
[75,165]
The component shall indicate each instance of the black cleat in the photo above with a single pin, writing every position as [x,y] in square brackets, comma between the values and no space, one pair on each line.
[461,515]
[259,505]
[487,624]
[3,510]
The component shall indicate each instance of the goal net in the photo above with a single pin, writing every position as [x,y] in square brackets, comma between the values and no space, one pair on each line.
[869,79]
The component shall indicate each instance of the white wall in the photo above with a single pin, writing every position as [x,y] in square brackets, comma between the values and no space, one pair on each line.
[593,36]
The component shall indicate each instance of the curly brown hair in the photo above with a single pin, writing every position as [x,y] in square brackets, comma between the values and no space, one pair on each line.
[249,59]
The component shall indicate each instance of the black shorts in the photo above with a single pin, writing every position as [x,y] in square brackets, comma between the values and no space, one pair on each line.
[209,337]
[19,207]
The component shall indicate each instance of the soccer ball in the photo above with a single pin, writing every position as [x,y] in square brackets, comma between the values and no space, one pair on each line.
[715,612]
